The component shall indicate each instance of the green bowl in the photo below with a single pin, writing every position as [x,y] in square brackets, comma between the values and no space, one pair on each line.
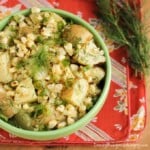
[58,133]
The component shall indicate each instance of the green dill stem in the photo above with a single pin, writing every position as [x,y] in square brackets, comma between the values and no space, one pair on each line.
[123,26]
[124,40]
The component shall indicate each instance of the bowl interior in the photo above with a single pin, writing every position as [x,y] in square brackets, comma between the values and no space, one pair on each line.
[54,134]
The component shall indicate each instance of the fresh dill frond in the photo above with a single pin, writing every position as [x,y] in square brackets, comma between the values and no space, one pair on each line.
[38,63]
[40,59]
[110,20]
[66,62]
[38,110]
[123,25]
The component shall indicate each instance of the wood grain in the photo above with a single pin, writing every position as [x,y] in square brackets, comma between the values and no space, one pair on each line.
[144,141]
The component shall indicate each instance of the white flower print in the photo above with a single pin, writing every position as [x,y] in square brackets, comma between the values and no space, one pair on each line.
[121,106]
[118,126]
[122,93]
[124,60]
[122,103]
[132,85]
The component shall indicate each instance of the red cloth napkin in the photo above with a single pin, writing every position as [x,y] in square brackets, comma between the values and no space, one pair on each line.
[123,116]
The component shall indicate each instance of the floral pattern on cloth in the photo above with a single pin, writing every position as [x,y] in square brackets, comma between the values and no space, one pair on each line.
[122,119]
[122,104]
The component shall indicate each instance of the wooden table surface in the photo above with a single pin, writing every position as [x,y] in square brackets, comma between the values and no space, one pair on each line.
[144,141]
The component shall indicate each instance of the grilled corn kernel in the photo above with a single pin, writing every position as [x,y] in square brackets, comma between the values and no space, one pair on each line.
[23,39]
[62,124]
[52,124]
[20,54]
[82,108]
[12,70]
[60,108]
[70,120]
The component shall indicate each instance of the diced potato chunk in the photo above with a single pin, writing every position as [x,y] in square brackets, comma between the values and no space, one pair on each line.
[94,74]
[5,75]
[25,92]
[68,48]
[89,55]
[75,32]
[76,94]
[23,120]
[6,105]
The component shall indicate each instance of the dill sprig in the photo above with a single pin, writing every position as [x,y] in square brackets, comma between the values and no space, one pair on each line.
[123,25]
[39,62]
[40,59]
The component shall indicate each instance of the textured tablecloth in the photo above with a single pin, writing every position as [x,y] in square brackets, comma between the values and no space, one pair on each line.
[122,118]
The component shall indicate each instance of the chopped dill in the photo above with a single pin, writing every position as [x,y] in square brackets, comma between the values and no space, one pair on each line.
[40,59]
[38,110]
[69,82]
[21,63]
[66,62]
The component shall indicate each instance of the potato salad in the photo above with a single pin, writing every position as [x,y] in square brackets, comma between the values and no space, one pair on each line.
[51,71]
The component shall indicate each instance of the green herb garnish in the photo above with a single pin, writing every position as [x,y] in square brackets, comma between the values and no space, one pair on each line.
[3,46]
[39,62]
[40,39]
[45,20]
[66,62]
[40,59]
[69,82]
[59,102]
[89,107]
[123,26]
[21,63]
[44,92]
[60,25]
[86,68]
[38,84]
[38,110]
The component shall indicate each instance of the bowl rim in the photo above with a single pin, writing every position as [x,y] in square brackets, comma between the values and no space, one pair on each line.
[58,133]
